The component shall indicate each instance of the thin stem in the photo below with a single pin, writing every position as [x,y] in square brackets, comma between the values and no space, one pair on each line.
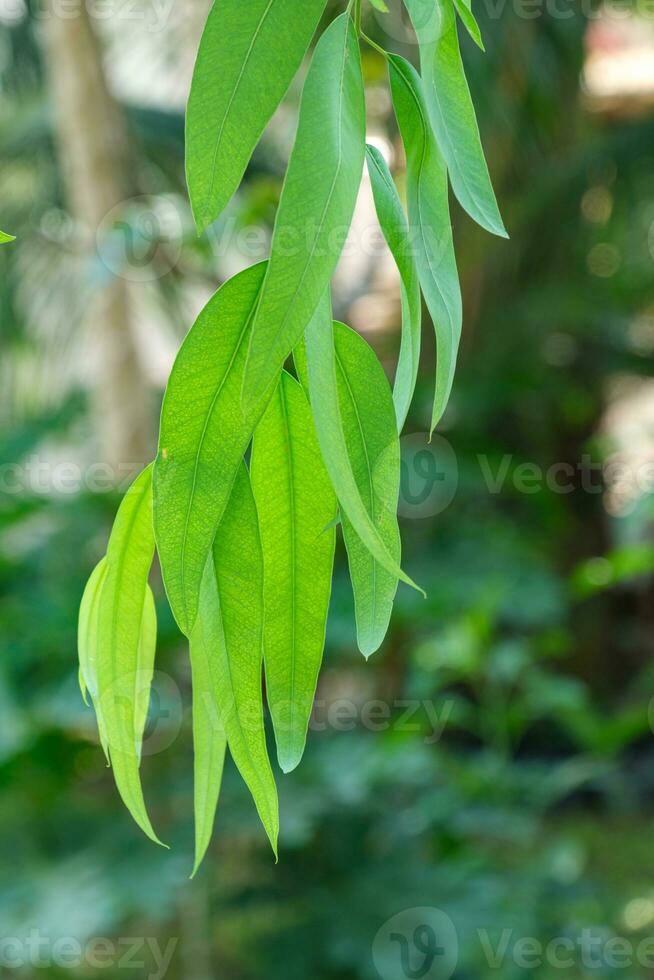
[357,16]
[373,44]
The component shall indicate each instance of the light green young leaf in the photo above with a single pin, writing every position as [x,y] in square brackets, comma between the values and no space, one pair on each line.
[209,747]
[204,434]
[325,402]
[317,203]
[469,21]
[373,447]
[394,226]
[226,657]
[296,504]
[87,644]
[379,5]
[452,112]
[429,218]
[247,58]
[126,636]
[4,238]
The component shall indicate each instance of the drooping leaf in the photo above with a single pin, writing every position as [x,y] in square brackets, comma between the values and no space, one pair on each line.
[126,637]
[247,58]
[451,109]
[296,505]
[373,447]
[87,644]
[316,205]
[325,402]
[204,434]
[396,232]
[429,218]
[4,238]
[468,19]
[209,748]
[226,657]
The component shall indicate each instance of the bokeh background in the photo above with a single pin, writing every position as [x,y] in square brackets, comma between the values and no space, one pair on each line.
[493,764]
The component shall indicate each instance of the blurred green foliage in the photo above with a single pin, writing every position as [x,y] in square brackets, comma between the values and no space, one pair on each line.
[518,793]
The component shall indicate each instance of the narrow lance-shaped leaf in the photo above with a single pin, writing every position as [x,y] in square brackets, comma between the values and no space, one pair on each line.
[431,228]
[87,644]
[4,238]
[296,505]
[126,640]
[316,206]
[204,434]
[396,232]
[248,55]
[325,403]
[226,658]
[451,109]
[468,19]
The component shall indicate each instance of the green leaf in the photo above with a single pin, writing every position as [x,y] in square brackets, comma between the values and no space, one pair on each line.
[226,657]
[317,203]
[296,504]
[87,644]
[429,218]
[4,238]
[204,434]
[379,5]
[452,112]
[468,19]
[126,637]
[396,232]
[247,58]
[373,447]
[325,401]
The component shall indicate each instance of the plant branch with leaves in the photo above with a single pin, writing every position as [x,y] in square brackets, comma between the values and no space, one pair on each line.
[247,548]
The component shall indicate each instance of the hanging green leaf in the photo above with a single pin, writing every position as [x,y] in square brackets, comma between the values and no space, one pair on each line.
[226,657]
[298,551]
[379,5]
[4,238]
[396,232]
[429,217]
[469,21]
[87,644]
[451,110]
[316,205]
[323,377]
[126,639]
[203,436]
[247,58]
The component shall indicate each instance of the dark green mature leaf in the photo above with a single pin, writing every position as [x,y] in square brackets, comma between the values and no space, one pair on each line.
[429,217]
[247,58]
[451,109]
[226,657]
[396,232]
[296,505]
[323,378]
[204,434]
[4,238]
[126,639]
[316,206]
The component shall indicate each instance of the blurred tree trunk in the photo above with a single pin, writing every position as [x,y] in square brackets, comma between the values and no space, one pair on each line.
[93,153]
